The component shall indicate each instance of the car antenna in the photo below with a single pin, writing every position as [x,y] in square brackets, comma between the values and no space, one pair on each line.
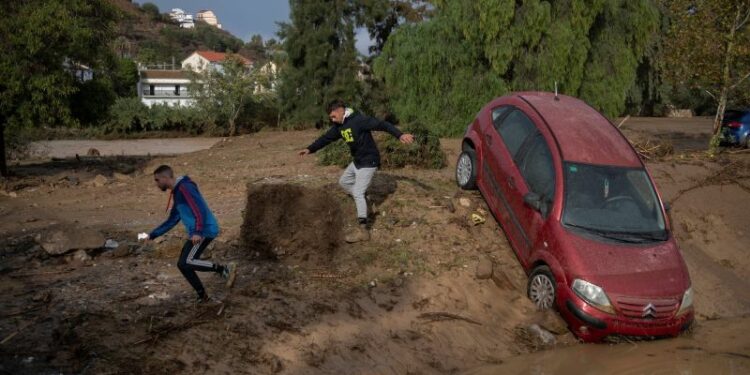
[556,97]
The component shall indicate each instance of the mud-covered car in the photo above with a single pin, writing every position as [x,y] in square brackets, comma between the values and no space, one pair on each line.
[582,214]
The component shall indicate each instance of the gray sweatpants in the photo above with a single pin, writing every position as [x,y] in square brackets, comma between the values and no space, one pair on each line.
[355,182]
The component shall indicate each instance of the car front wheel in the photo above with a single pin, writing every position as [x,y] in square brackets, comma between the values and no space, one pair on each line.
[542,288]
[466,172]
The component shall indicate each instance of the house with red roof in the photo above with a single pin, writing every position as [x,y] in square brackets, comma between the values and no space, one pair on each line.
[199,61]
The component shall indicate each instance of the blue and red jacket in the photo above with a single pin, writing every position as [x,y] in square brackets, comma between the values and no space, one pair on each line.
[190,207]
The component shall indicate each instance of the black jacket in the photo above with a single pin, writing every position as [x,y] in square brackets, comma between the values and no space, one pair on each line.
[356,132]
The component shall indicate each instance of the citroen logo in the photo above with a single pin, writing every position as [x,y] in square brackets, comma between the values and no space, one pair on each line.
[649,311]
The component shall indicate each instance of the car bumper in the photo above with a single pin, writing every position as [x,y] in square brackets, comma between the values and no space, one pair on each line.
[591,324]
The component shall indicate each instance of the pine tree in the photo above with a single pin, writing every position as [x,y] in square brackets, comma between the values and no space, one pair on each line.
[321,60]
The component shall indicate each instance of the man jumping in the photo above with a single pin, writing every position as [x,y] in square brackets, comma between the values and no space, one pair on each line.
[355,129]
[201,225]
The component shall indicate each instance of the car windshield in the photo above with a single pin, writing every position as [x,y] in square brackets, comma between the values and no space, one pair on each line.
[612,202]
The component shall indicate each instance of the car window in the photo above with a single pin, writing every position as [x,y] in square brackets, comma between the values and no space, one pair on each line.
[498,114]
[611,199]
[514,130]
[537,168]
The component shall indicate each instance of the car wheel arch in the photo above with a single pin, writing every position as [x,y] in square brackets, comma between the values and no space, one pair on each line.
[468,144]
[543,258]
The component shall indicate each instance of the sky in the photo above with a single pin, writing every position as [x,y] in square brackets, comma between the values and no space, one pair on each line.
[244,18]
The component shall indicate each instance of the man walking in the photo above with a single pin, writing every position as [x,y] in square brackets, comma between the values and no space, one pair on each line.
[201,225]
[355,129]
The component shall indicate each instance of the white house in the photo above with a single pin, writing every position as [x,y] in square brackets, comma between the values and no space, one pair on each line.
[208,17]
[199,61]
[271,72]
[185,20]
[170,87]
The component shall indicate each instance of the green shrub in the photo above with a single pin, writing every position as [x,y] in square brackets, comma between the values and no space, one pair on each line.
[126,115]
[424,153]
[129,115]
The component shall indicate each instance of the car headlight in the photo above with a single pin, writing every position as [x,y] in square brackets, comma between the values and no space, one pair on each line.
[687,301]
[593,294]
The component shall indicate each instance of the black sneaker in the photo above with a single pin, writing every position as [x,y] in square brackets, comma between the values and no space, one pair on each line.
[230,273]
[202,298]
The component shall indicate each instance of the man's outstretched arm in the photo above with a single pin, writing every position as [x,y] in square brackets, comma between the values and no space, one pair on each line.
[385,126]
[331,135]
[172,220]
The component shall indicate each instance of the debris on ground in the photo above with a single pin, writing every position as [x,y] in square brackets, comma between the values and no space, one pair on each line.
[477,219]
[484,268]
[61,239]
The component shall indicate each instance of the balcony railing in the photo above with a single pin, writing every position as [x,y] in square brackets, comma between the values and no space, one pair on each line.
[182,94]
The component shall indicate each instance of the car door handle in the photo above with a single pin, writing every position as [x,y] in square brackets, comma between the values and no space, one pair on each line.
[512,183]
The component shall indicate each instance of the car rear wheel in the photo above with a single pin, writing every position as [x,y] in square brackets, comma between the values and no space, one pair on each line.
[542,289]
[466,172]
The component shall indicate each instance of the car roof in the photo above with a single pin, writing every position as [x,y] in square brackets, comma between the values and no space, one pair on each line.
[583,134]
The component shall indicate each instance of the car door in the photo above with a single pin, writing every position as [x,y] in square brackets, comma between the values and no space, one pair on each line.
[536,167]
[508,139]
[490,166]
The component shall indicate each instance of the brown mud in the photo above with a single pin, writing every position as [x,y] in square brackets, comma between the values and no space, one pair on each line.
[412,300]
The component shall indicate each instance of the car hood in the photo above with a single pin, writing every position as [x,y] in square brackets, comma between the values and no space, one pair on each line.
[643,270]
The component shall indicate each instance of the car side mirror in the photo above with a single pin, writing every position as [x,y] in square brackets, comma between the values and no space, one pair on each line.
[533,200]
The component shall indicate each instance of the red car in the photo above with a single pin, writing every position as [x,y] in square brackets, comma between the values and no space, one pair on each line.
[582,214]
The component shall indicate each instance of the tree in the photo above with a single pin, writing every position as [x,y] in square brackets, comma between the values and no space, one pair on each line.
[224,93]
[321,62]
[43,40]
[152,10]
[708,47]
[469,52]
[382,17]
[124,77]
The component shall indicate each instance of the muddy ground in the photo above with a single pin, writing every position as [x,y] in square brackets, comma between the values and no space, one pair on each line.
[412,300]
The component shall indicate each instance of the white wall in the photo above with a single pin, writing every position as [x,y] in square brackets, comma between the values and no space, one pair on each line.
[195,62]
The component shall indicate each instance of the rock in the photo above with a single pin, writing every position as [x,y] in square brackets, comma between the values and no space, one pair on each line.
[80,256]
[111,244]
[122,250]
[465,202]
[124,168]
[62,239]
[551,321]
[98,181]
[13,194]
[93,152]
[484,268]
[542,337]
[501,279]
[121,177]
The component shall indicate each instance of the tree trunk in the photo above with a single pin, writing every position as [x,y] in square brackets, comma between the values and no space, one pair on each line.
[3,161]
[232,127]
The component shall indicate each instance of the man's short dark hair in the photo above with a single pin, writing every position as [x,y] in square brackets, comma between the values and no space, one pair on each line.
[334,105]
[164,170]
